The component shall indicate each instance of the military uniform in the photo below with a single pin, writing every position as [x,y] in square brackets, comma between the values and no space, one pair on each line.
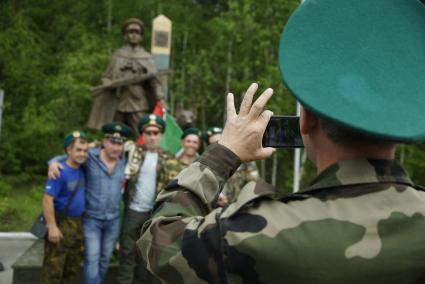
[62,261]
[245,173]
[132,267]
[170,170]
[138,169]
[134,163]
[361,220]
[348,214]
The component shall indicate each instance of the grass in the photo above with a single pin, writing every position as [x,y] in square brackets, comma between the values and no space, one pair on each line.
[21,202]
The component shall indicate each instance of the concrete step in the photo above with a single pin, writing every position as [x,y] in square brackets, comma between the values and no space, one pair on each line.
[26,270]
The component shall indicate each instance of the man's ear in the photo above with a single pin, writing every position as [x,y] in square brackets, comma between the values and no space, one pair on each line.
[308,121]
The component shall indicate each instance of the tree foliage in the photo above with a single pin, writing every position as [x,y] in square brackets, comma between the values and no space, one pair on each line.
[51,52]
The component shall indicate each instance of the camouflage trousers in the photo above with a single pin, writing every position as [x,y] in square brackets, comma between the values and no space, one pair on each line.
[62,261]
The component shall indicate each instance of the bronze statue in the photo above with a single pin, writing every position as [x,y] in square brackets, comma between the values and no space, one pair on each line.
[130,85]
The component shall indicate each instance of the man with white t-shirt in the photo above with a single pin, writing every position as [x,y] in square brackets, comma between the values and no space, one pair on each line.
[142,171]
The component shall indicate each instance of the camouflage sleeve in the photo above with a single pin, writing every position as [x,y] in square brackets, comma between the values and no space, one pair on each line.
[161,179]
[186,221]
[164,175]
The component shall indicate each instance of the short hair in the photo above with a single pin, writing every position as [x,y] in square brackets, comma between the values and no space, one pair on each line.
[350,138]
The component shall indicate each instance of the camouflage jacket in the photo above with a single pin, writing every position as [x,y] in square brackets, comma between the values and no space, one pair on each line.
[135,161]
[245,173]
[360,221]
[169,171]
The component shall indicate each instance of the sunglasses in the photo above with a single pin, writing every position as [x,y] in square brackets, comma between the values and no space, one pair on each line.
[151,132]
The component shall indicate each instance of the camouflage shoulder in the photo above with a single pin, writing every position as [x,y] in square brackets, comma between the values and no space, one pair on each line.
[260,190]
[166,155]
[250,193]
[171,162]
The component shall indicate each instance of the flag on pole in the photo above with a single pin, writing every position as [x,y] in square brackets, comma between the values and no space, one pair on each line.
[170,140]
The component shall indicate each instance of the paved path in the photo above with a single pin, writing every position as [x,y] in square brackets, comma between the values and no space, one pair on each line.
[12,246]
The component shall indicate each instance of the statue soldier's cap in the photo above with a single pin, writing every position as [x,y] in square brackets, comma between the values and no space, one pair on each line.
[151,120]
[359,63]
[191,130]
[70,137]
[116,131]
[211,131]
[132,21]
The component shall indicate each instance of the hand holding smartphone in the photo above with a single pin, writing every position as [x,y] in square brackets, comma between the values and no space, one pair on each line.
[283,132]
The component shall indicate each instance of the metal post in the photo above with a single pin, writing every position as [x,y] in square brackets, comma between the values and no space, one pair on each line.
[297,157]
[297,161]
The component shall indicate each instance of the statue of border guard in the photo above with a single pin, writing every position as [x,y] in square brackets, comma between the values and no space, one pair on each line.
[130,85]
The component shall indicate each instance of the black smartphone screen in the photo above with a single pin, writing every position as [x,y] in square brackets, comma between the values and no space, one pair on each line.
[283,132]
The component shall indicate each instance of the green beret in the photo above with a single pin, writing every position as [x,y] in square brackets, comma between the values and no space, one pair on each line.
[211,131]
[151,120]
[116,130]
[133,21]
[70,137]
[359,63]
[191,130]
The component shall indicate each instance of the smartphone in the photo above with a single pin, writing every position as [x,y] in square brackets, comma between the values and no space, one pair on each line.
[283,132]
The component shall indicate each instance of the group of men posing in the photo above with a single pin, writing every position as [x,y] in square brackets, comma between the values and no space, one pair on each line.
[83,196]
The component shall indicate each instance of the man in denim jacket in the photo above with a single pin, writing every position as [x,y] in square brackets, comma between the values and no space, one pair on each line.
[105,175]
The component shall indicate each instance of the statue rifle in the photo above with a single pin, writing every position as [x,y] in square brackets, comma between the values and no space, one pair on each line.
[126,81]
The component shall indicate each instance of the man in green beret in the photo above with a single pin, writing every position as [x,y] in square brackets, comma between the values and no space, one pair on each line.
[145,162]
[357,67]
[63,206]
[104,172]
[246,172]
[212,134]
[191,142]
[127,103]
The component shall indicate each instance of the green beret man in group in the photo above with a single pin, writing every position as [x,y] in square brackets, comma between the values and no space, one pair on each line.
[63,207]
[246,172]
[127,103]
[357,68]
[144,164]
[191,143]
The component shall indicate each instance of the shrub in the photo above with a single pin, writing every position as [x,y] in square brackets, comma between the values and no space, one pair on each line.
[5,188]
